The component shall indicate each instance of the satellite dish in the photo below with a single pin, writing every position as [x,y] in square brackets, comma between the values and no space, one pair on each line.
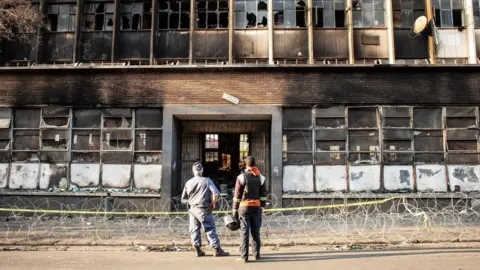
[420,24]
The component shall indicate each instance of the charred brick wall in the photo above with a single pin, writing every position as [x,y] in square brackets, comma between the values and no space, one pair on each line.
[286,86]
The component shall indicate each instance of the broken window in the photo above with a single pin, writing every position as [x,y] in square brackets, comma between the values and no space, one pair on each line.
[296,118]
[462,135]
[26,138]
[396,117]
[297,147]
[135,15]
[476,12]
[148,135]
[362,118]
[54,134]
[98,16]
[5,121]
[251,14]
[448,13]
[212,14]
[174,14]
[328,13]
[368,13]
[405,12]
[363,146]
[397,146]
[428,146]
[86,135]
[117,136]
[330,135]
[61,17]
[427,118]
[290,13]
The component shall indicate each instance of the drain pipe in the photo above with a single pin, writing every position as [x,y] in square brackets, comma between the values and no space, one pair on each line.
[470,22]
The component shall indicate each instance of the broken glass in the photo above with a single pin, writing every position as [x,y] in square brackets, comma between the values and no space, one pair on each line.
[427,118]
[148,140]
[86,140]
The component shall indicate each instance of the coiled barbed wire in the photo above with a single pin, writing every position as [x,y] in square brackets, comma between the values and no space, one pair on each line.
[344,218]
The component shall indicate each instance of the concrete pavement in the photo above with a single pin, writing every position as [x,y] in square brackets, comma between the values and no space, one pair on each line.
[286,258]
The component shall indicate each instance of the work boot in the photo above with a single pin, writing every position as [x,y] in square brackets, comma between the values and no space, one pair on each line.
[257,257]
[219,252]
[200,252]
[242,260]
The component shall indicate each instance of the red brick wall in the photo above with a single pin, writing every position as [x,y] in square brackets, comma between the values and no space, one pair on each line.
[259,85]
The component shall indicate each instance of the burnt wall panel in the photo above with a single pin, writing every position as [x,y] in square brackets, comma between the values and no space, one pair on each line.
[330,43]
[408,46]
[134,44]
[211,44]
[279,85]
[172,44]
[290,43]
[251,44]
[96,46]
[18,50]
[364,48]
[58,46]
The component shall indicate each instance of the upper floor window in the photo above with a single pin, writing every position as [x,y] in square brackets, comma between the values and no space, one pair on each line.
[174,14]
[328,13]
[212,14]
[98,16]
[448,13]
[368,13]
[290,13]
[251,14]
[405,12]
[136,15]
[61,17]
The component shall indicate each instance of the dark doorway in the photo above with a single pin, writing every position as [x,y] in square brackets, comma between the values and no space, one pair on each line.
[223,158]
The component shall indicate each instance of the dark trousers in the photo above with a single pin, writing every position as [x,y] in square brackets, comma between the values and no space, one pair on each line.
[250,223]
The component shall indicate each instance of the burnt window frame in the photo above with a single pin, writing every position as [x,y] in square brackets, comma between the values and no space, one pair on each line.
[360,9]
[331,114]
[6,114]
[334,7]
[293,6]
[400,7]
[184,8]
[245,6]
[106,14]
[360,132]
[58,10]
[218,11]
[426,132]
[389,156]
[466,133]
[289,115]
[131,12]
[454,6]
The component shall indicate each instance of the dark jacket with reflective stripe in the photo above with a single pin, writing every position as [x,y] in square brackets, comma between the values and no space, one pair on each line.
[249,189]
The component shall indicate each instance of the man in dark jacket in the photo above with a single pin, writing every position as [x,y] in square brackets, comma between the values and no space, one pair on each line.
[248,203]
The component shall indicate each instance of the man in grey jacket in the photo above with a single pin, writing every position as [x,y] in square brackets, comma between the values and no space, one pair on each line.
[201,195]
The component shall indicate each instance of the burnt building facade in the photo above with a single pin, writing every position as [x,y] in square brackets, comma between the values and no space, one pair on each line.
[329,96]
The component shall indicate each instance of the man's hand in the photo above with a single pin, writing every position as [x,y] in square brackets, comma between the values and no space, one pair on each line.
[235,215]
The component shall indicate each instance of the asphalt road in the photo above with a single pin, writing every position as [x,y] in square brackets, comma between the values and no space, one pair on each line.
[287,258]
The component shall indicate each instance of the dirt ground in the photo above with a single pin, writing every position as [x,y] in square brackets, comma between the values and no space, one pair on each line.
[443,256]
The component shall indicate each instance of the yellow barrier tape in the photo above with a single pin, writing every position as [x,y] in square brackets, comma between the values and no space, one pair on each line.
[288,209]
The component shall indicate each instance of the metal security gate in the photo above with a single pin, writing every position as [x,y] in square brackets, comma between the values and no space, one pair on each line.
[191,153]
[260,149]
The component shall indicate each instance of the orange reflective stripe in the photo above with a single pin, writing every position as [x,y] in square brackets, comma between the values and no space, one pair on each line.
[250,203]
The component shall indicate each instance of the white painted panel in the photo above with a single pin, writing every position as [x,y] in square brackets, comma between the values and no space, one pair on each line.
[3,174]
[364,178]
[116,175]
[147,176]
[453,44]
[398,177]
[466,177]
[24,176]
[53,175]
[431,178]
[331,178]
[85,175]
[298,178]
